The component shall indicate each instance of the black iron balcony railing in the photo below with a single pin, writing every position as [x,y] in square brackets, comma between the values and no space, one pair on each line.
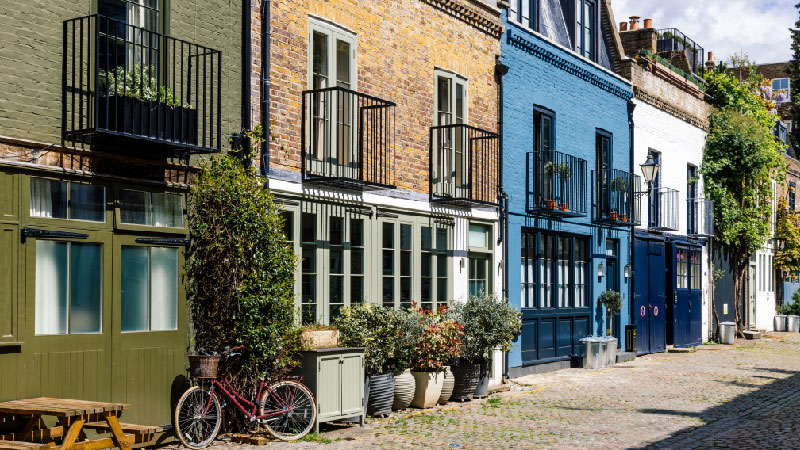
[700,217]
[348,139]
[614,198]
[663,213]
[123,82]
[671,39]
[464,165]
[557,184]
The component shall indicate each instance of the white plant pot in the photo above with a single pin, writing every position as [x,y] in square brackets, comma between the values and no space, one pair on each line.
[404,386]
[428,389]
[447,386]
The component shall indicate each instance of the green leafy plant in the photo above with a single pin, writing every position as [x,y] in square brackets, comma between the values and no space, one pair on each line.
[489,323]
[439,341]
[408,325]
[137,82]
[619,184]
[564,170]
[787,230]
[370,326]
[611,300]
[241,273]
[647,54]
[792,309]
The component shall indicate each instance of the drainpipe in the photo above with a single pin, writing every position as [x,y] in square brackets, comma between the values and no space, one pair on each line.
[631,317]
[266,66]
[246,69]
[500,70]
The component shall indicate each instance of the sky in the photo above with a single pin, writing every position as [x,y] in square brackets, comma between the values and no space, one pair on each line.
[758,28]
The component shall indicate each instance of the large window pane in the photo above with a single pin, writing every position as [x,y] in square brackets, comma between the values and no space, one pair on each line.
[87,202]
[405,265]
[134,207]
[478,236]
[135,288]
[163,288]
[308,287]
[48,198]
[51,287]
[85,288]
[167,210]
[387,263]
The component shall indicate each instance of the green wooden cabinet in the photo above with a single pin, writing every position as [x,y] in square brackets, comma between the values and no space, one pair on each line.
[336,377]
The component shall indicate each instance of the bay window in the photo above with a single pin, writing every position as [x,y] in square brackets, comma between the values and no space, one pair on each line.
[555,270]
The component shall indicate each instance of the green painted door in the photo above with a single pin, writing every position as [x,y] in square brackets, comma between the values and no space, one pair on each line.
[149,329]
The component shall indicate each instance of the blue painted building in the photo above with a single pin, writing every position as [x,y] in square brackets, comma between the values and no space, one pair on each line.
[567,173]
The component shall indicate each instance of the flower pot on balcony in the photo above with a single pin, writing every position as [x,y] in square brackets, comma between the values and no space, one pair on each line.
[550,204]
[564,207]
[447,387]
[613,215]
[623,218]
[428,389]
[149,119]
[381,394]
[466,380]
[404,386]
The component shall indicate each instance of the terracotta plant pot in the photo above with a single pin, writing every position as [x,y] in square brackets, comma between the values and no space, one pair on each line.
[466,380]
[564,207]
[550,204]
[447,387]
[317,339]
[623,218]
[428,389]
[404,386]
[485,373]
[381,394]
[613,216]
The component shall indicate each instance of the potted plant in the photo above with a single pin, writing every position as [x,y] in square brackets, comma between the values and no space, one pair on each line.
[407,330]
[550,169]
[612,300]
[490,324]
[439,341]
[370,326]
[564,171]
[318,336]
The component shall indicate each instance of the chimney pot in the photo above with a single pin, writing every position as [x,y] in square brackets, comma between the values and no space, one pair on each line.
[711,56]
[623,26]
[648,23]
[634,22]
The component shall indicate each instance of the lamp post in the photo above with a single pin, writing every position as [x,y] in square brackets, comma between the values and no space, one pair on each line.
[649,171]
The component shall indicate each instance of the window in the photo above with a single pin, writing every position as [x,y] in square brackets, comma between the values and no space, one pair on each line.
[782,84]
[694,271]
[603,172]
[612,264]
[544,132]
[356,261]
[335,265]
[149,288]
[480,259]
[779,131]
[554,270]
[586,28]
[54,199]
[308,283]
[682,273]
[433,267]
[653,203]
[405,265]
[451,109]
[68,287]
[792,190]
[126,47]
[151,208]
[387,257]
[691,194]
[525,12]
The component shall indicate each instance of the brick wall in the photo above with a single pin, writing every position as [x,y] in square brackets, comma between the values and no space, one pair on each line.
[400,43]
[637,40]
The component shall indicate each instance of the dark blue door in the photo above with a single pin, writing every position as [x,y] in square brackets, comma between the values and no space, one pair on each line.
[641,303]
[649,286]
[685,313]
[695,297]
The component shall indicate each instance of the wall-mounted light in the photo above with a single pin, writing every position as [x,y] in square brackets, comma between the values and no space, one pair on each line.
[627,270]
[601,270]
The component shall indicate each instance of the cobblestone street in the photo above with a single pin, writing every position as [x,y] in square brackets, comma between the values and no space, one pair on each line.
[718,397]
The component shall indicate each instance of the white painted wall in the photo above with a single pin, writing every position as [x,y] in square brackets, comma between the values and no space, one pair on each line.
[680,144]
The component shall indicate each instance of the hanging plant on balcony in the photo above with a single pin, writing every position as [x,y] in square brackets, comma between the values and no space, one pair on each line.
[564,171]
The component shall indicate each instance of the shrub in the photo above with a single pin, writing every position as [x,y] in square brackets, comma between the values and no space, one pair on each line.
[793,309]
[489,323]
[439,341]
[407,329]
[370,326]
[241,273]
[611,300]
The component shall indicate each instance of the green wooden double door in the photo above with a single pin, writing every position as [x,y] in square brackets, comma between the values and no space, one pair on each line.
[88,311]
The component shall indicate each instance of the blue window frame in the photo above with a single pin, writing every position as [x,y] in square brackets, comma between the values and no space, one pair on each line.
[691,191]
[792,190]
[782,84]
[652,205]
[544,129]
[525,12]
[585,34]
[603,148]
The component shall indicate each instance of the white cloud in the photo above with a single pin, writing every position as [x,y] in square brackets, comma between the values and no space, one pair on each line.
[758,28]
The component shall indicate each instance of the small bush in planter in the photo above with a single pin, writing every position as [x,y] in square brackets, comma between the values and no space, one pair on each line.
[611,300]
[439,342]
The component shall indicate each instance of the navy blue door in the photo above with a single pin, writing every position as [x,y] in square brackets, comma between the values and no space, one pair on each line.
[641,318]
[686,296]
[695,298]
[649,295]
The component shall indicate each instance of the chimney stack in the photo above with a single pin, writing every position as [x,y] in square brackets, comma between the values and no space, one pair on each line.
[711,64]
[623,26]
[648,23]
[634,22]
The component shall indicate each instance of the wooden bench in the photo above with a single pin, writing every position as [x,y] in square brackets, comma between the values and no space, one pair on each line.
[103,427]
[19,445]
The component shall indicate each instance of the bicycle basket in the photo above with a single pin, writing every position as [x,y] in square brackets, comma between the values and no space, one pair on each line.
[203,366]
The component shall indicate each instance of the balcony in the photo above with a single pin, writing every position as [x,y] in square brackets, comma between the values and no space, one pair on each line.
[663,210]
[700,218]
[557,184]
[347,140]
[671,39]
[464,166]
[614,199]
[123,84]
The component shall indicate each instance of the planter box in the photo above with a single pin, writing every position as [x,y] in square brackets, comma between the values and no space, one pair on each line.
[428,389]
[149,119]
[320,339]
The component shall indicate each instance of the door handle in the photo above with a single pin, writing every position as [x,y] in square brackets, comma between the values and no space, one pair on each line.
[650,306]
[676,298]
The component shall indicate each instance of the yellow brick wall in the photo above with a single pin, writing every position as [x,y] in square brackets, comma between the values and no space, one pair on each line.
[399,45]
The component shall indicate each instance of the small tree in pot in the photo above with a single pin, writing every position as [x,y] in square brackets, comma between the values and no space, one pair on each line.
[439,342]
[612,300]
[373,327]
[489,323]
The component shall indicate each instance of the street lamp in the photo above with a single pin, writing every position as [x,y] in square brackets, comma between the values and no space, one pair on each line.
[649,170]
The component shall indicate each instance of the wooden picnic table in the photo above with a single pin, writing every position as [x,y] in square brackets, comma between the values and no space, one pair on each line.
[73,416]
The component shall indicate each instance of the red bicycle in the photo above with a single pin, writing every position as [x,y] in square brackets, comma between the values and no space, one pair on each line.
[285,407]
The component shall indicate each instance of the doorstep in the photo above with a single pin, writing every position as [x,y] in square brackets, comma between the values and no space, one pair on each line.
[681,349]
[623,357]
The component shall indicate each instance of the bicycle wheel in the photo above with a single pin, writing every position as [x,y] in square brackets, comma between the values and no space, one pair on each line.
[290,408]
[196,422]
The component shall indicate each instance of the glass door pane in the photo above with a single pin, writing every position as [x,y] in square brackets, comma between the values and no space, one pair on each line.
[51,287]
[320,110]
[85,290]
[163,288]
[347,105]
[135,290]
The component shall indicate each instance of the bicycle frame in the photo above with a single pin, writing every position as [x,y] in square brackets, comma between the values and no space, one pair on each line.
[235,397]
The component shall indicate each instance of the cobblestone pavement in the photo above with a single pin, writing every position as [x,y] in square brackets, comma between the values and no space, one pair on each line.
[747,396]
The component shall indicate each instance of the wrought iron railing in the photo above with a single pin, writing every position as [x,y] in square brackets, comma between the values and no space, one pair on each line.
[663,213]
[671,39]
[464,165]
[347,139]
[700,217]
[123,81]
[557,184]
[614,198]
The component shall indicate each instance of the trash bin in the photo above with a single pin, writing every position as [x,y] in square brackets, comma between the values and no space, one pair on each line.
[793,324]
[595,356]
[630,338]
[611,351]
[727,333]
[780,323]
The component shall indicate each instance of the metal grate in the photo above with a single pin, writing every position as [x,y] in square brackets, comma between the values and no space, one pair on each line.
[700,217]
[614,198]
[464,165]
[557,184]
[664,213]
[671,39]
